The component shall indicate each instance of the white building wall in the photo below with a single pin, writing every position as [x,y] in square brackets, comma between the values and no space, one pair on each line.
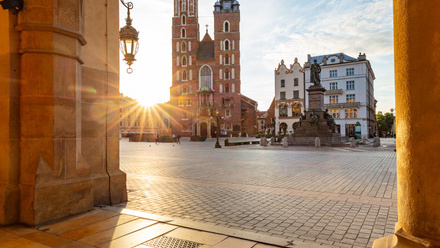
[361,74]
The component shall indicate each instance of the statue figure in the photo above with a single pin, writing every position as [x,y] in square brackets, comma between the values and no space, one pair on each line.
[315,69]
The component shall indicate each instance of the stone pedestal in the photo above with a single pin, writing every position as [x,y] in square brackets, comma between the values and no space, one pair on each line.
[316,122]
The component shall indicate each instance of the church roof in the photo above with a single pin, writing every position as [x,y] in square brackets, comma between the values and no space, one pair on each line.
[206,49]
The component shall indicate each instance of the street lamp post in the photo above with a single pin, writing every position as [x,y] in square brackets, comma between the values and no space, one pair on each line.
[128,37]
[217,144]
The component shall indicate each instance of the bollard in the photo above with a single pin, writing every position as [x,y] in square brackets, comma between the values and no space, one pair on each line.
[285,142]
[317,142]
[376,142]
[352,143]
[263,141]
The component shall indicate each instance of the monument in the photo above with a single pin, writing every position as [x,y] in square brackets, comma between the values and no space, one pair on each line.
[316,122]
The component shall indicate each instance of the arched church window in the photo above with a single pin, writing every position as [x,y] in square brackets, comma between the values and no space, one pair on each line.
[227,45]
[183,35]
[226,26]
[184,77]
[184,61]
[205,77]
[227,88]
[183,5]
[183,20]
[183,46]
[226,59]
[227,74]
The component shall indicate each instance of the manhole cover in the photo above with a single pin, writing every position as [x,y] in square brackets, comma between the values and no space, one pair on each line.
[167,242]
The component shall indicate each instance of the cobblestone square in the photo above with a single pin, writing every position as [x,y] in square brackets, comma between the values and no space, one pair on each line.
[335,196]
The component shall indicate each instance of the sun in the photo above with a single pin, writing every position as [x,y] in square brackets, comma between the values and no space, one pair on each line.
[146,102]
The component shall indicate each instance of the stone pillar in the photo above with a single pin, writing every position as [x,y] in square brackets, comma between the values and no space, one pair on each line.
[54,178]
[316,97]
[417,49]
[9,119]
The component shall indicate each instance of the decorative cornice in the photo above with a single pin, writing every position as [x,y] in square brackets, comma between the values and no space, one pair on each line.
[53,52]
[51,28]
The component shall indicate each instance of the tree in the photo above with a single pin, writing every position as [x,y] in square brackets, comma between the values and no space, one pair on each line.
[384,122]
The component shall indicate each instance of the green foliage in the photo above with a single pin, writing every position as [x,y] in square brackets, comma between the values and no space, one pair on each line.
[384,121]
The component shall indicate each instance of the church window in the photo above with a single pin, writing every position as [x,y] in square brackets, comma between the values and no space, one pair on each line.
[192,6]
[183,35]
[183,5]
[233,88]
[184,77]
[184,61]
[227,88]
[183,20]
[227,75]
[226,59]
[205,77]
[183,46]
[226,45]
[226,26]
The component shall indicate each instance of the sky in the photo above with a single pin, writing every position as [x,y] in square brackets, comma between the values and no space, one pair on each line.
[271,31]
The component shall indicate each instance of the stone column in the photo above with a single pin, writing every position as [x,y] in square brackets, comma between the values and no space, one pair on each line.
[9,119]
[417,63]
[54,178]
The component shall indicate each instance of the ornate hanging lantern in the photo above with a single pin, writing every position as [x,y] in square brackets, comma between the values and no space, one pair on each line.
[128,37]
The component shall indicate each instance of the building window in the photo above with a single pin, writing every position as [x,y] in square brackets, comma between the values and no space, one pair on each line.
[227,47]
[296,111]
[184,62]
[227,88]
[333,60]
[183,34]
[226,26]
[282,95]
[333,99]
[350,113]
[227,75]
[183,47]
[183,5]
[295,82]
[350,71]
[283,111]
[351,98]
[120,124]
[226,59]
[296,94]
[205,77]
[350,85]
[336,113]
[333,86]
[227,112]
[184,75]
[333,73]
[183,20]
[283,83]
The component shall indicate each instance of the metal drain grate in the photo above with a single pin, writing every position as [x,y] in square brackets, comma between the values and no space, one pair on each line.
[167,242]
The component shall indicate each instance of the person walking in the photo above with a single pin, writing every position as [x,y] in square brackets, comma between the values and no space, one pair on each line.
[178,139]
[157,138]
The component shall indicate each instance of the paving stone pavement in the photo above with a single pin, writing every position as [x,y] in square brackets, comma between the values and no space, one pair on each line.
[337,196]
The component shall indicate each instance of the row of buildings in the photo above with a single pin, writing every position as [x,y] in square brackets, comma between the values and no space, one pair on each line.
[206,85]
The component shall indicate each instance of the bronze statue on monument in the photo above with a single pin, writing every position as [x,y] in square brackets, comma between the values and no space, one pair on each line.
[315,76]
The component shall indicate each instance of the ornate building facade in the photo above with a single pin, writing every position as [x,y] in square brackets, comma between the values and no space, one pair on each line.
[206,79]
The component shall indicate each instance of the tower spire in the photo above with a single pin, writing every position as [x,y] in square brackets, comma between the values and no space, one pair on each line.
[207,28]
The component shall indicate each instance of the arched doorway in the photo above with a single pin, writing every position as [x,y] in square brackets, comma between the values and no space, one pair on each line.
[283,128]
[203,130]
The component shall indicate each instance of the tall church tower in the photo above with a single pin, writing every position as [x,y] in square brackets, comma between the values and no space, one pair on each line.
[185,43]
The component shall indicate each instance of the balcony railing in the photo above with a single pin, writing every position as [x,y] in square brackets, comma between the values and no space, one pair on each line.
[343,105]
[334,92]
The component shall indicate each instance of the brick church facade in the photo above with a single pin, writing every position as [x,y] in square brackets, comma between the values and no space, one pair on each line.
[206,79]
